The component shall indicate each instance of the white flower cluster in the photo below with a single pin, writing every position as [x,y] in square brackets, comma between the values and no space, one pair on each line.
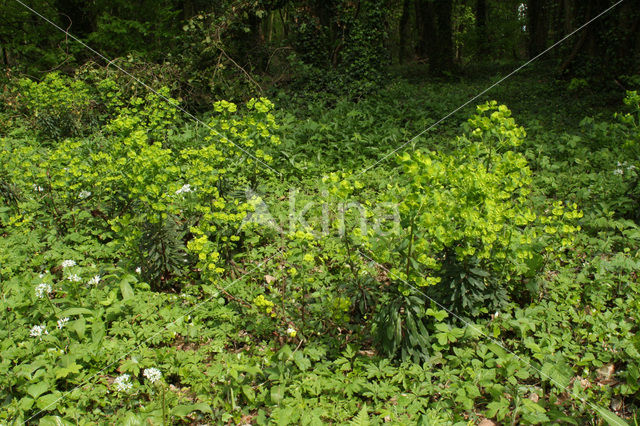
[38,330]
[621,167]
[184,189]
[122,383]
[42,290]
[38,188]
[68,263]
[152,374]
[62,322]
[84,194]
[94,281]
[74,278]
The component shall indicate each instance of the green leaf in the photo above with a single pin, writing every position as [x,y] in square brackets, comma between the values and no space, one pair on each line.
[185,410]
[132,419]
[79,326]
[362,419]
[557,371]
[97,332]
[610,417]
[249,393]
[49,401]
[71,369]
[75,311]
[55,421]
[37,389]
[277,394]
[301,361]
[126,290]
[437,314]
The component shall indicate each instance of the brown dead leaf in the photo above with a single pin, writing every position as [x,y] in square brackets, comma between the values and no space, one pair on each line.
[605,373]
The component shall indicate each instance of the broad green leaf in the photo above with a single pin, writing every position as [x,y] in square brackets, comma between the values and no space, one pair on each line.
[301,361]
[37,389]
[277,394]
[249,393]
[79,326]
[55,421]
[185,410]
[126,290]
[49,401]
[71,369]
[75,311]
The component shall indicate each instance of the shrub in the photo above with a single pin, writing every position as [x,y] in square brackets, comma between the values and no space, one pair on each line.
[58,106]
[466,230]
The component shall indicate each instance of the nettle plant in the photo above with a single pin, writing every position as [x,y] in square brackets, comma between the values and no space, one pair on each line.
[467,230]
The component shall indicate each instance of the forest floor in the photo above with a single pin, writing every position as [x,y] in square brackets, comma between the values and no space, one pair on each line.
[239,349]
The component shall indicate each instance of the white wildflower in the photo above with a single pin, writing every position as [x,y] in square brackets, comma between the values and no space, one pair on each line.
[62,322]
[84,194]
[618,171]
[138,270]
[184,189]
[152,374]
[38,330]
[43,290]
[68,263]
[122,383]
[74,278]
[38,188]
[95,280]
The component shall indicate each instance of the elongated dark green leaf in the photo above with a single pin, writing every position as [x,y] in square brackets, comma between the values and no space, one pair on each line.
[610,417]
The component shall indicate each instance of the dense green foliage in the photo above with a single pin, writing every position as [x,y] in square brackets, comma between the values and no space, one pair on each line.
[309,212]
[132,240]
[206,51]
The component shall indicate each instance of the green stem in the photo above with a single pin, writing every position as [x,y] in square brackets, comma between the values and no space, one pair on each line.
[413,218]
[164,407]
[350,260]
[55,309]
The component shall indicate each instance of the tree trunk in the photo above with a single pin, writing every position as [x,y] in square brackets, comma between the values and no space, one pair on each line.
[481,26]
[404,33]
[444,11]
[567,16]
[538,17]
[188,9]
[437,34]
